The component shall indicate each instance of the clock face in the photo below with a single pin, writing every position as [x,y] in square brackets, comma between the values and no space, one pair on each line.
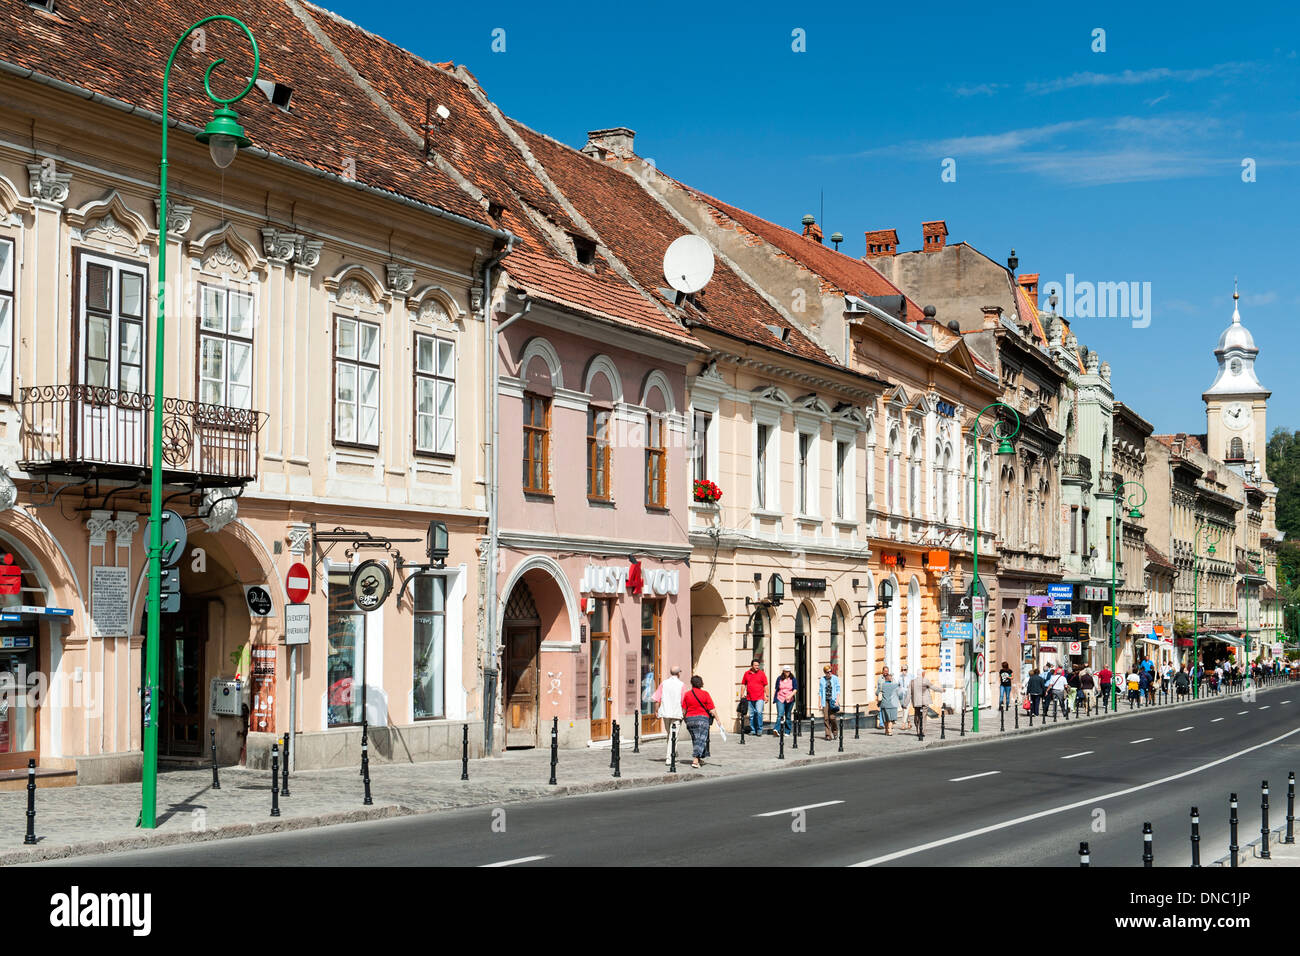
[1236,415]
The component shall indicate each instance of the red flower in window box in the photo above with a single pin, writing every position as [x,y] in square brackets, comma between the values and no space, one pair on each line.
[706,490]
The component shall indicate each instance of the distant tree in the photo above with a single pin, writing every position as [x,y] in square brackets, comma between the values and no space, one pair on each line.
[1283,464]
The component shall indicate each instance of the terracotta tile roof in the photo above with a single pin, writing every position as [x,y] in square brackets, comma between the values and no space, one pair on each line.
[839,272]
[1154,557]
[120,50]
[472,140]
[1025,306]
[637,230]
[1190,442]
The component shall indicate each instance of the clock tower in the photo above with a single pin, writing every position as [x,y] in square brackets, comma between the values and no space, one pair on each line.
[1236,405]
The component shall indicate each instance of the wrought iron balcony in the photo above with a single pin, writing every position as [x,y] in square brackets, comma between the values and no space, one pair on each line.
[1108,482]
[85,430]
[1076,468]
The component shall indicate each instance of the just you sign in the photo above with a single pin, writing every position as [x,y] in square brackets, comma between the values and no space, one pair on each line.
[630,579]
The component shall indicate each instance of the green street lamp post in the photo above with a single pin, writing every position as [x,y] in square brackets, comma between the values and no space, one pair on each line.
[1246,578]
[1211,535]
[224,137]
[1004,448]
[1134,512]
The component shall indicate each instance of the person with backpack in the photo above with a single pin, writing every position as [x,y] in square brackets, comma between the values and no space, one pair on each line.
[1182,682]
[1004,687]
[783,693]
[1056,689]
[1035,688]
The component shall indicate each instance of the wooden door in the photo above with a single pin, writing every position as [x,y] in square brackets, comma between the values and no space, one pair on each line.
[807,696]
[183,695]
[651,663]
[599,670]
[521,702]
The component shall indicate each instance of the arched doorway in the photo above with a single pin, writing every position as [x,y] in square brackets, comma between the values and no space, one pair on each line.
[712,657]
[521,629]
[914,627]
[803,661]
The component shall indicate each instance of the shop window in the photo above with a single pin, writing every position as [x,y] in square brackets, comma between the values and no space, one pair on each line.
[356,382]
[346,660]
[651,620]
[435,395]
[429,595]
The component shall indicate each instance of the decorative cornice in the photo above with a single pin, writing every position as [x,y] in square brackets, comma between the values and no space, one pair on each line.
[46,183]
[306,253]
[179,217]
[99,524]
[126,525]
[278,246]
[400,278]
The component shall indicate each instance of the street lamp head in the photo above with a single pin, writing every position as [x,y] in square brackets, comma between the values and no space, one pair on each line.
[1005,447]
[224,136]
[1135,514]
[1211,549]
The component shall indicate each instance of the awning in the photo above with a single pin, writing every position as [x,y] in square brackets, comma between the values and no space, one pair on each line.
[1148,640]
[15,612]
[1226,639]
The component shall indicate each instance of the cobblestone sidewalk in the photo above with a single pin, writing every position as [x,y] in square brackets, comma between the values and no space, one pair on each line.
[73,821]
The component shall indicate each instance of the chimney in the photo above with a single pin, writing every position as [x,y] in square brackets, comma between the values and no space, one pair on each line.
[992,316]
[881,242]
[1030,284]
[810,228]
[601,142]
[934,235]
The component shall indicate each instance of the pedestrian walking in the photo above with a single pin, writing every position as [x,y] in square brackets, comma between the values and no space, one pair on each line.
[1105,679]
[783,693]
[668,696]
[887,700]
[1182,681]
[1134,683]
[1035,687]
[1056,688]
[918,693]
[1144,683]
[1004,686]
[754,688]
[1072,687]
[1086,685]
[904,678]
[828,696]
[700,712]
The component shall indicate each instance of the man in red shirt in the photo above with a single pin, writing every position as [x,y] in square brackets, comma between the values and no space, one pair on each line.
[754,683]
[1104,679]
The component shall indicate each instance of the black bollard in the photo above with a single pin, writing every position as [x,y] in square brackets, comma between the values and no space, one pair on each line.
[636,735]
[672,759]
[1290,808]
[794,722]
[617,751]
[840,727]
[1263,829]
[1031,716]
[464,752]
[365,771]
[1147,856]
[1053,708]
[943,733]
[744,728]
[30,838]
[1232,828]
[857,719]
[284,776]
[275,780]
[780,742]
[364,743]
[962,719]
[1084,859]
[612,737]
[1196,837]
[812,736]
[216,782]
[555,747]
[1002,717]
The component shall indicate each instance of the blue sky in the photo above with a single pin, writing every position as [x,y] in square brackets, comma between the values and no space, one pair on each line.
[1122,165]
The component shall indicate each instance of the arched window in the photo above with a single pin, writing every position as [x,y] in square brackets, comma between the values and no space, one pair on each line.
[913,627]
[914,478]
[893,626]
[891,471]
[1236,450]
[970,487]
[759,633]
[837,628]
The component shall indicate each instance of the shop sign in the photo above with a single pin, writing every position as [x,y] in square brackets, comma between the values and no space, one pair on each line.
[259,600]
[262,715]
[1061,592]
[1109,610]
[807,584]
[937,560]
[1060,610]
[614,579]
[1084,630]
[959,605]
[1038,600]
[890,558]
[15,642]
[1062,630]
[1139,627]
[946,409]
[977,605]
[956,630]
[1076,647]
[371,584]
[109,601]
[1095,593]
[297,623]
[11,577]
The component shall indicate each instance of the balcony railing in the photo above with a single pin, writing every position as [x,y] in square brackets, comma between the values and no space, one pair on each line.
[72,429]
[1108,482]
[1076,468]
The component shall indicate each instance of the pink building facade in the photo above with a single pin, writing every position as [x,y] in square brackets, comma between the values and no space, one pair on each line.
[592,564]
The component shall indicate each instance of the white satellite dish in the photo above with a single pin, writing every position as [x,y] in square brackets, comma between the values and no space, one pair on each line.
[688,264]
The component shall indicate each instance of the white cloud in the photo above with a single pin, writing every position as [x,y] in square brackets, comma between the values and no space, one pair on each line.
[1134,77]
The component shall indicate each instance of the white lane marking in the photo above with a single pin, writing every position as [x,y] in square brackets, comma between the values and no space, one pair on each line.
[1266,707]
[1286,701]
[522,859]
[1091,801]
[1082,753]
[987,773]
[1216,720]
[811,806]
[1185,729]
[1141,740]
[1240,712]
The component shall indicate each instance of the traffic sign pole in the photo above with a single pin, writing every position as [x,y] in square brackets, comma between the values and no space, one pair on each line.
[297,585]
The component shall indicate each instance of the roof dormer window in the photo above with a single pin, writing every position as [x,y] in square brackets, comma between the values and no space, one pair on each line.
[584,250]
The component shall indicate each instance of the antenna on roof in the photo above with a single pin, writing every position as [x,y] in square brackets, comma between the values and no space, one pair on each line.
[688,265]
[429,124]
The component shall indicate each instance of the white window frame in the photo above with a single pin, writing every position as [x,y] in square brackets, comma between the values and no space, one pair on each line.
[117,268]
[342,362]
[438,380]
[226,338]
[808,475]
[771,418]
[8,281]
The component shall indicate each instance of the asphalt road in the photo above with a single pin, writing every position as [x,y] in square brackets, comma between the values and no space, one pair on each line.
[1022,801]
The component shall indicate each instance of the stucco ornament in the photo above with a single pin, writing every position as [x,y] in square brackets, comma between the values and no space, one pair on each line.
[47,183]
[8,491]
[400,278]
[178,217]
[218,509]
[354,292]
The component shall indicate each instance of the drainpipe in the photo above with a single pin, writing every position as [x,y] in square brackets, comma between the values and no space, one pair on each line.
[490,665]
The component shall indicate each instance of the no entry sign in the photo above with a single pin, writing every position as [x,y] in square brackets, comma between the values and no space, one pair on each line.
[297,582]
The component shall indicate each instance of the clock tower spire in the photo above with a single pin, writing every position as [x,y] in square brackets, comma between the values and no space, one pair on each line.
[1236,404]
